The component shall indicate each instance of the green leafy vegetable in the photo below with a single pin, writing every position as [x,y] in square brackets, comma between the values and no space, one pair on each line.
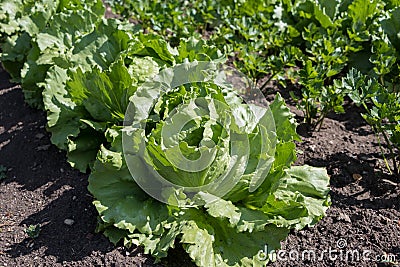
[243,215]
[382,111]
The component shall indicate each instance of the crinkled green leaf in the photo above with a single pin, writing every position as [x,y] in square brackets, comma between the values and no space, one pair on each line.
[54,46]
[63,115]
[81,150]
[14,52]
[299,198]
[285,122]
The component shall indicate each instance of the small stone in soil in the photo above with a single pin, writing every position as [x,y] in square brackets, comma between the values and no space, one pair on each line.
[312,148]
[39,136]
[89,236]
[44,147]
[344,217]
[69,222]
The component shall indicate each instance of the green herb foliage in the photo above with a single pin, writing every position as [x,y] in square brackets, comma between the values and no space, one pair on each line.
[381,103]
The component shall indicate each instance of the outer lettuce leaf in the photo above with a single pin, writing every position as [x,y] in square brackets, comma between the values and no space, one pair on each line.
[122,204]
[299,198]
[296,199]
[211,240]
[285,123]
[82,149]
[67,95]
[285,154]
[58,45]
[19,22]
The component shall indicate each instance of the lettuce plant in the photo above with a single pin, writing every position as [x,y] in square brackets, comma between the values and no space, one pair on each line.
[21,21]
[240,195]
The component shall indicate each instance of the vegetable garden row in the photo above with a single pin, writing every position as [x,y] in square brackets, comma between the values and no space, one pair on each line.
[86,71]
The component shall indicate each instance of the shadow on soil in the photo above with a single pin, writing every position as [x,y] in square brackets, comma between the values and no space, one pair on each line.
[372,191]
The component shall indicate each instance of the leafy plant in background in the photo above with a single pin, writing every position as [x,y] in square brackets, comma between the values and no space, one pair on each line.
[75,36]
[382,111]
[317,100]
[234,26]
[21,21]
[375,88]
[326,39]
[65,48]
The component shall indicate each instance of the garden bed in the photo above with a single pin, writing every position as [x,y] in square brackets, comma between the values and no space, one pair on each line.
[41,188]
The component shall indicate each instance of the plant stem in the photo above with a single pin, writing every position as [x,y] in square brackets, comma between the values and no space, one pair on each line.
[320,122]
[377,131]
[267,81]
[382,80]
[391,152]
[307,115]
